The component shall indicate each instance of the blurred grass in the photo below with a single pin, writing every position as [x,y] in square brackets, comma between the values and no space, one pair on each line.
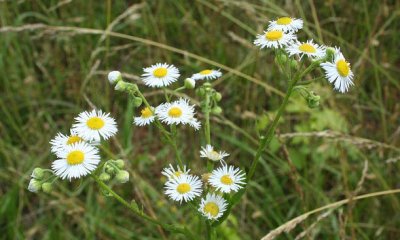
[47,76]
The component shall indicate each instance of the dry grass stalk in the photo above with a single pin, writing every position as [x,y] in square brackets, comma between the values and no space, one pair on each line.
[312,226]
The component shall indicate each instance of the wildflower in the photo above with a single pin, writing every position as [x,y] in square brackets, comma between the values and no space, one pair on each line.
[60,141]
[160,75]
[47,187]
[308,48]
[170,171]
[274,39]
[34,185]
[339,72]
[190,83]
[213,206]
[286,24]
[177,112]
[76,160]
[210,153]
[227,179]
[183,188]
[122,176]
[37,173]
[114,77]
[145,118]
[208,74]
[95,125]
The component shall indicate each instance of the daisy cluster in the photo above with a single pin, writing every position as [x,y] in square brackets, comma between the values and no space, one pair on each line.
[281,34]
[77,153]
[182,186]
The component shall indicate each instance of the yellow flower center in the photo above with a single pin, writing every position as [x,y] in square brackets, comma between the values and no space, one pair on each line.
[146,112]
[214,154]
[95,123]
[211,208]
[206,72]
[75,157]
[308,48]
[183,188]
[227,180]
[343,68]
[274,35]
[160,72]
[73,139]
[175,112]
[284,21]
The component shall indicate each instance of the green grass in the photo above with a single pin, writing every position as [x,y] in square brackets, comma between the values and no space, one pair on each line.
[45,76]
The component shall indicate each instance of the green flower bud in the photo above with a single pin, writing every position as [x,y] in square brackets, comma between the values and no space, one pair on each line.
[47,187]
[110,170]
[104,177]
[190,83]
[200,92]
[207,84]
[34,185]
[313,100]
[330,53]
[217,96]
[114,77]
[294,64]
[216,110]
[137,101]
[121,86]
[37,173]
[122,176]
[120,163]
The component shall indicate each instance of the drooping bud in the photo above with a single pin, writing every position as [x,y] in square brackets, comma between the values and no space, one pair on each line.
[137,101]
[200,92]
[34,185]
[104,177]
[114,77]
[37,173]
[122,176]
[216,110]
[120,163]
[217,96]
[47,187]
[110,169]
[190,83]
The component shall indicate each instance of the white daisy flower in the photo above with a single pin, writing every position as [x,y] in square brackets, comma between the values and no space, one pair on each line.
[227,179]
[76,160]
[177,112]
[286,24]
[274,39]
[183,188]
[60,141]
[208,74]
[308,48]
[95,125]
[339,73]
[213,206]
[145,118]
[170,171]
[210,153]
[160,75]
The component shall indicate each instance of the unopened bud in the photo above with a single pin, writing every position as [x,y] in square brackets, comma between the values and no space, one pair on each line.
[216,110]
[313,100]
[122,176]
[34,185]
[137,101]
[200,92]
[217,96]
[114,76]
[37,173]
[47,187]
[110,169]
[190,83]
[120,163]
[104,177]
[330,53]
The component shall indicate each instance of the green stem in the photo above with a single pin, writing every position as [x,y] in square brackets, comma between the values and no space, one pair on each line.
[139,213]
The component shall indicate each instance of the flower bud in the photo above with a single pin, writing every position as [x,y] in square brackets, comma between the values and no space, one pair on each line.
[120,163]
[190,83]
[137,101]
[110,169]
[122,176]
[281,59]
[114,76]
[313,100]
[330,53]
[104,177]
[216,110]
[200,92]
[294,64]
[217,96]
[37,173]
[47,187]
[121,86]
[34,185]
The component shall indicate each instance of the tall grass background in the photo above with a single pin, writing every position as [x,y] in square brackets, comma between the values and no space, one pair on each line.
[54,57]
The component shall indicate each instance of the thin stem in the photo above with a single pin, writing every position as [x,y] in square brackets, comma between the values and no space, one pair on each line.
[139,213]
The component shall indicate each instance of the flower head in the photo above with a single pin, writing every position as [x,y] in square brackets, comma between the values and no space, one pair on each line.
[308,48]
[95,125]
[114,76]
[339,72]
[274,39]
[208,74]
[170,171]
[76,160]
[213,206]
[210,153]
[227,179]
[146,117]
[183,188]
[160,75]
[177,112]
[59,142]
[286,24]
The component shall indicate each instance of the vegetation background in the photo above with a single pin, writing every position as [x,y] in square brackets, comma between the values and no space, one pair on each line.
[54,57]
